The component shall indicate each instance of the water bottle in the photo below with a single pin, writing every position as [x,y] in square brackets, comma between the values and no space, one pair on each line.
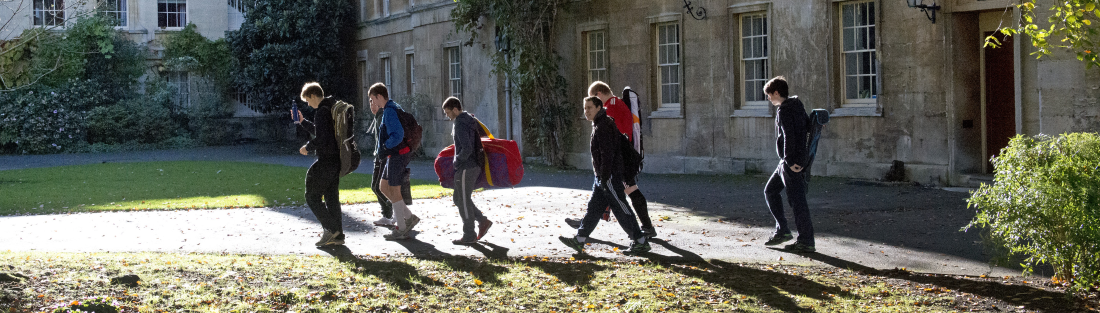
[297,117]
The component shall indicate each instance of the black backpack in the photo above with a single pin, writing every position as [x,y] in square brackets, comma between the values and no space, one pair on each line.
[632,160]
[816,123]
[413,131]
[343,120]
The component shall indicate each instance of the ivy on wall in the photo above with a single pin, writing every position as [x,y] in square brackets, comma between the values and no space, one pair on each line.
[532,64]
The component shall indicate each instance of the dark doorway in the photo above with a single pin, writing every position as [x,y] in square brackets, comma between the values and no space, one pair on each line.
[1000,98]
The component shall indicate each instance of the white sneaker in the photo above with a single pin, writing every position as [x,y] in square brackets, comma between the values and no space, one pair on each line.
[385,222]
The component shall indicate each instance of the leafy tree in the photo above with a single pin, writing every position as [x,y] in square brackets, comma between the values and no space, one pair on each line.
[195,53]
[532,64]
[1070,28]
[284,44]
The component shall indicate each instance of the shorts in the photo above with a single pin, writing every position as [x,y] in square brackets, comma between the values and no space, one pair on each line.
[394,170]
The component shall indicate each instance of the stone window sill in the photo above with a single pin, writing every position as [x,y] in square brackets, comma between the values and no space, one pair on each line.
[856,111]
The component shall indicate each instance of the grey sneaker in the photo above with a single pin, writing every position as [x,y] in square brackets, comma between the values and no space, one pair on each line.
[384,222]
[799,247]
[465,241]
[573,222]
[326,239]
[649,232]
[337,240]
[397,235]
[778,239]
[638,248]
[411,222]
[572,243]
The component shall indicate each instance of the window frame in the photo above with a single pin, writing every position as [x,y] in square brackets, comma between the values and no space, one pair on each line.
[181,15]
[871,32]
[39,13]
[746,104]
[410,72]
[453,67]
[182,81]
[677,67]
[594,71]
[120,12]
[386,71]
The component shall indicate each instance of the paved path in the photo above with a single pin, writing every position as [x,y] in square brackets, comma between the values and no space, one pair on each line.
[708,217]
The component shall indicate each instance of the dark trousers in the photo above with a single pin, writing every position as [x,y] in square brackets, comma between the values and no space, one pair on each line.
[795,184]
[323,193]
[465,183]
[387,207]
[612,197]
[641,207]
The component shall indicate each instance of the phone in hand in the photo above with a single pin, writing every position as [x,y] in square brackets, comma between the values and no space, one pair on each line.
[295,115]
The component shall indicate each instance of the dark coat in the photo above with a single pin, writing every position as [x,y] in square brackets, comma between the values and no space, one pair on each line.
[323,131]
[607,161]
[467,136]
[791,130]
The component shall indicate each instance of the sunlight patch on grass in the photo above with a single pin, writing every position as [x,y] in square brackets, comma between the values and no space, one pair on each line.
[173,185]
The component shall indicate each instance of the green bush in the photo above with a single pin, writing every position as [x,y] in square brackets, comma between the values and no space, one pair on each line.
[132,120]
[48,120]
[1044,204]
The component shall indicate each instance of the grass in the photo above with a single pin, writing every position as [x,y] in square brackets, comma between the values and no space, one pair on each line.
[350,283]
[172,185]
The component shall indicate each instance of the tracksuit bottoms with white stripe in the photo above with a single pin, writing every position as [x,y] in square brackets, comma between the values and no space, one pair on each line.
[465,181]
[613,197]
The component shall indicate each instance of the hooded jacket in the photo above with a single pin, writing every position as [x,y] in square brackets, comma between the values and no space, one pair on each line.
[607,161]
[323,131]
[791,131]
[467,135]
[390,131]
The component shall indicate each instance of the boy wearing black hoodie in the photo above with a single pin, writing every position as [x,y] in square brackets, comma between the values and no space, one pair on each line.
[323,177]
[791,129]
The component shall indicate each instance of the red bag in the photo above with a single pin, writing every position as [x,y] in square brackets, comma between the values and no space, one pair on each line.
[503,164]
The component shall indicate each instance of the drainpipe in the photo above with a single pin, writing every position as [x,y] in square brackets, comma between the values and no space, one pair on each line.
[508,105]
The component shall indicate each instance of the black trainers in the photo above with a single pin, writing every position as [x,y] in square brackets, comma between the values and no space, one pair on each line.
[799,247]
[573,222]
[649,232]
[778,239]
[572,243]
[637,248]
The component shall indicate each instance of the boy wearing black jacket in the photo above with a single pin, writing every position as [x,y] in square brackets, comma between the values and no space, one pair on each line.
[791,129]
[607,191]
[468,162]
[323,177]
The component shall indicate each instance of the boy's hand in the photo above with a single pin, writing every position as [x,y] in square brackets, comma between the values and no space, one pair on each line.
[796,168]
[297,119]
[629,188]
[303,150]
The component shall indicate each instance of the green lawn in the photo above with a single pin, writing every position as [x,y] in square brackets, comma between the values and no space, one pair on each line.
[172,185]
[363,283]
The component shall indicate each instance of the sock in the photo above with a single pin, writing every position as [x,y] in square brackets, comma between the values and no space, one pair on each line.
[400,213]
[581,239]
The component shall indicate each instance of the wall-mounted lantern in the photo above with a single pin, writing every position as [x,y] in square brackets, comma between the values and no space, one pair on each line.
[925,8]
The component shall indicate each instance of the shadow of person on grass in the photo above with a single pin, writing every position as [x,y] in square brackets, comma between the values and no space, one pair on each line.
[396,273]
[1029,297]
[484,271]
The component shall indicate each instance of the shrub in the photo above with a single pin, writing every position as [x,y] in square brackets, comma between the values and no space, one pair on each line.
[132,120]
[1044,204]
[48,120]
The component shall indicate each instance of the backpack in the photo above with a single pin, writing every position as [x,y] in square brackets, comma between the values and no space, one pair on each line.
[413,132]
[816,123]
[631,99]
[343,120]
[632,160]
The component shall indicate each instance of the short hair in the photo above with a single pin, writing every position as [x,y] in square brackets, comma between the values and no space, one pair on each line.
[312,89]
[452,103]
[595,100]
[779,83]
[378,89]
[599,86]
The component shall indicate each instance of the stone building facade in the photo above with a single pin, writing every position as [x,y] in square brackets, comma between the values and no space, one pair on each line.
[898,85]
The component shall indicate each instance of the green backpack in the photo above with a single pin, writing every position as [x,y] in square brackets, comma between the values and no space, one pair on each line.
[343,120]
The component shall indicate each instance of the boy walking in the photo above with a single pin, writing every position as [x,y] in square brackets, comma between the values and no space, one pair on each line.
[469,160]
[323,177]
[607,190]
[624,121]
[393,148]
[791,129]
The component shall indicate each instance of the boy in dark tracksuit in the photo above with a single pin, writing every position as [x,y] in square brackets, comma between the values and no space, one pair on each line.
[791,129]
[607,191]
[323,177]
[624,120]
[468,165]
